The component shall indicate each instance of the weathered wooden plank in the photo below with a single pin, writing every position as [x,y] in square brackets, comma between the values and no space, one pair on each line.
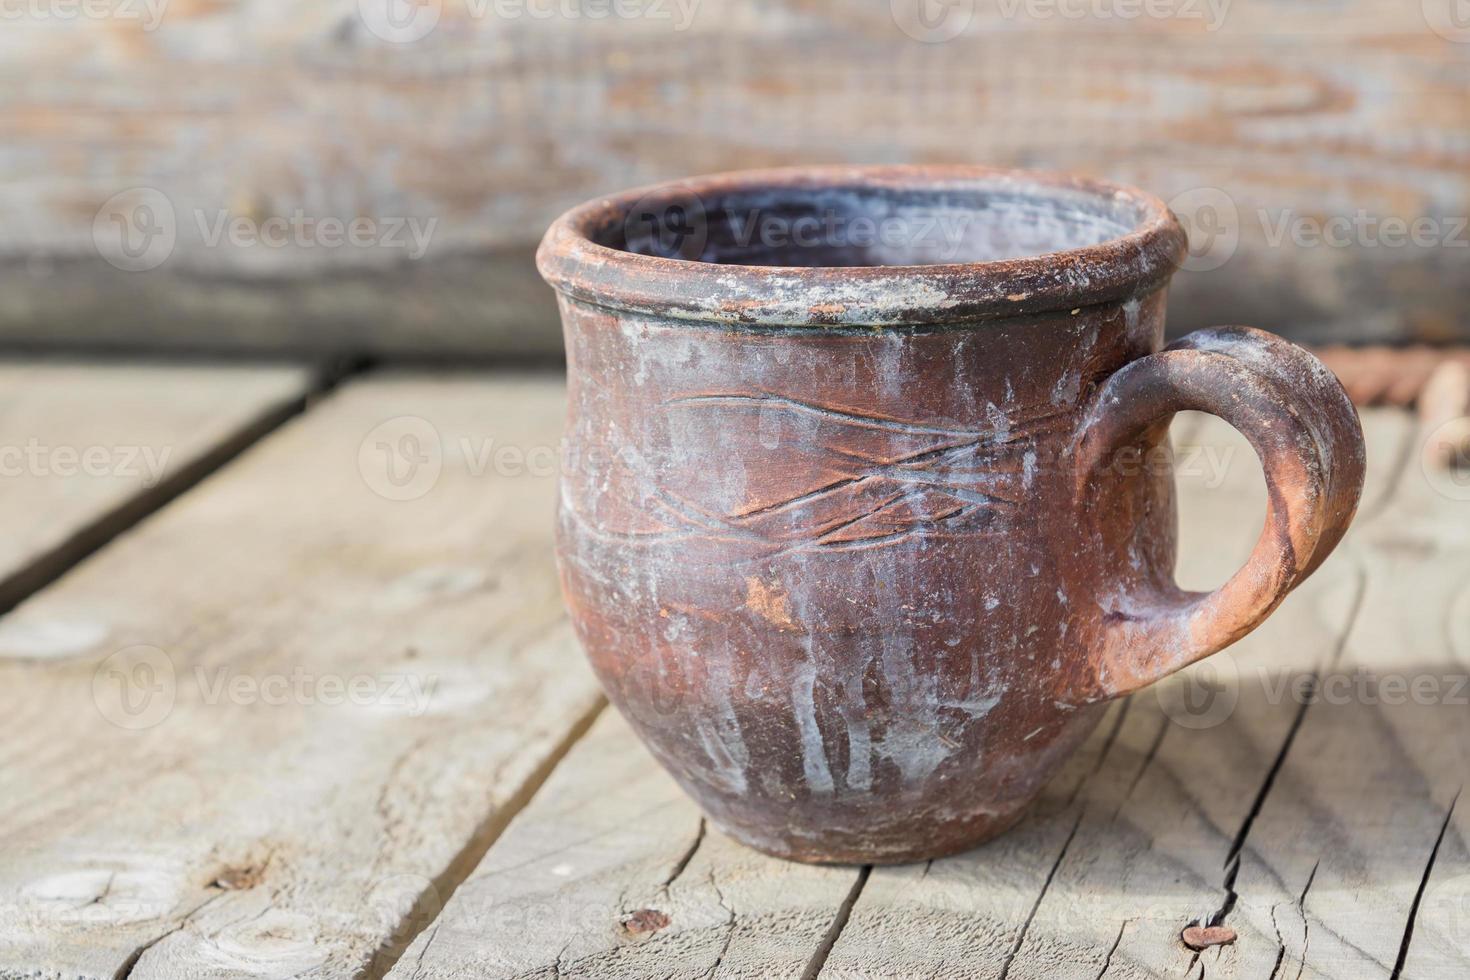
[86,448]
[1357,865]
[299,703]
[1272,119]
[611,872]
[1142,850]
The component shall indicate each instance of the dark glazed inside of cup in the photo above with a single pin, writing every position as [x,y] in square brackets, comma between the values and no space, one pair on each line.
[863,246]
[867,225]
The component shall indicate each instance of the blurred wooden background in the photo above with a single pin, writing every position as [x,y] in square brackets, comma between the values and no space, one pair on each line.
[146,142]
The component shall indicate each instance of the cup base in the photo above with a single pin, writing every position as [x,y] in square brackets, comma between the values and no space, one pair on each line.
[943,843]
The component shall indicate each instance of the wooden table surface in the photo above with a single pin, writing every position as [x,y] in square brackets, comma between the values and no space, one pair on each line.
[286,690]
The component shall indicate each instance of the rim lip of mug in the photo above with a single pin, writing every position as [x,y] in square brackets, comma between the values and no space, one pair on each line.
[1130,265]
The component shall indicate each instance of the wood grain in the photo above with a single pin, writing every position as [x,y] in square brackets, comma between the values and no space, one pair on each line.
[299,703]
[217,824]
[87,448]
[1276,115]
[1358,860]
[612,872]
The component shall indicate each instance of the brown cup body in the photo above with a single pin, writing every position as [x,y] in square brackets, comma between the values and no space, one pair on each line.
[837,574]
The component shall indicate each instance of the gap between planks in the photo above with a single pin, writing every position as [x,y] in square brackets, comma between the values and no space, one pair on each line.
[442,887]
[482,824]
[47,567]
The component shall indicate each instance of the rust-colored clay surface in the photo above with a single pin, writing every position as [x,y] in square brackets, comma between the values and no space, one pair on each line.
[861,531]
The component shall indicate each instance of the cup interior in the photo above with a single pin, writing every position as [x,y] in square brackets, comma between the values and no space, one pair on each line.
[868,225]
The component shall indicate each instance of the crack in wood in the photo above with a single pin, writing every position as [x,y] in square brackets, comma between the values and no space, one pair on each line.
[1301,905]
[1108,960]
[443,886]
[1153,750]
[1103,751]
[687,856]
[839,922]
[1005,969]
[1280,945]
[125,970]
[1237,846]
[1398,967]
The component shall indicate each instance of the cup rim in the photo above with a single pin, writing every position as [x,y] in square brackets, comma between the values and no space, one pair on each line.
[1119,268]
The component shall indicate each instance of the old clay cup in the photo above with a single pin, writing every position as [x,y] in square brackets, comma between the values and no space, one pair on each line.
[856,526]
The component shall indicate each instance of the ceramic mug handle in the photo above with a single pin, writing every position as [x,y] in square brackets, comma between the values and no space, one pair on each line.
[1305,431]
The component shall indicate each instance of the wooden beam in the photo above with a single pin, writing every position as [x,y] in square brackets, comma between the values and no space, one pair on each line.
[1296,144]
